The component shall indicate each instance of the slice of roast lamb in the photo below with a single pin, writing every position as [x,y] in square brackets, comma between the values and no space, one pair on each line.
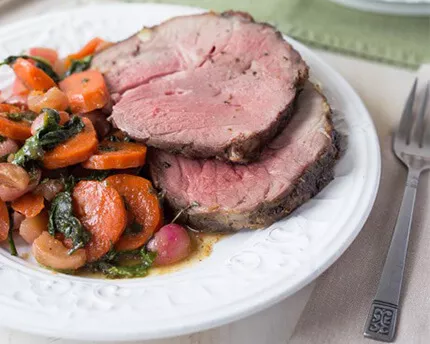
[294,167]
[204,86]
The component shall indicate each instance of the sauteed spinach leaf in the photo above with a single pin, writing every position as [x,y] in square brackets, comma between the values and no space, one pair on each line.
[62,220]
[28,116]
[79,65]
[110,264]
[47,137]
[12,246]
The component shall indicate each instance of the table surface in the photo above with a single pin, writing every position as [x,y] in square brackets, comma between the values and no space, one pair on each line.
[378,85]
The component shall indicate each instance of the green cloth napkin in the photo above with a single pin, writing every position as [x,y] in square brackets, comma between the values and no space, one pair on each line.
[403,41]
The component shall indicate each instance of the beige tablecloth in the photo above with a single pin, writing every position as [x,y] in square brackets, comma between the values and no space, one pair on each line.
[339,305]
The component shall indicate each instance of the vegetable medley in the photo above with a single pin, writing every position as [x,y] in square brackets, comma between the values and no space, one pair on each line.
[70,184]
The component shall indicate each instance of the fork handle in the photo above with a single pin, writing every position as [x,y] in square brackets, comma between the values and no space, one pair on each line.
[382,319]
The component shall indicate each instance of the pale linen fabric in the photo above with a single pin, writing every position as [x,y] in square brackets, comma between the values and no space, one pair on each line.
[339,305]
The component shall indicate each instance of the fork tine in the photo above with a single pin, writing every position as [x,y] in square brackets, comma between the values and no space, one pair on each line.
[406,120]
[425,127]
[418,131]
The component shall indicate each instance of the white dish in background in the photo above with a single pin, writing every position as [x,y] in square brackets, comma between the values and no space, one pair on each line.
[247,271]
[394,7]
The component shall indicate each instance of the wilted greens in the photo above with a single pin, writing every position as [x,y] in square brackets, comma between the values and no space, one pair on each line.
[50,134]
[79,65]
[28,116]
[62,220]
[110,264]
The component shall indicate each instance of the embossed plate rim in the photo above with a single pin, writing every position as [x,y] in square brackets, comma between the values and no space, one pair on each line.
[47,291]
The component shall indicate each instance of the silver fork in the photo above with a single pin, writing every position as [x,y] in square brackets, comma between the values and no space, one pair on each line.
[412,147]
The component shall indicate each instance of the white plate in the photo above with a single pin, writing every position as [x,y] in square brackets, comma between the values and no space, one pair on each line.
[395,7]
[247,272]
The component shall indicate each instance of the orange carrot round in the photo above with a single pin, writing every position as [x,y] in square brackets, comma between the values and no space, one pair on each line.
[143,209]
[102,46]
[116,155]
[32,77]
[29,205]
[4,221]
[9,108]
[88,49]
[86,91]
[101,211]
[16,130]
[73,151]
